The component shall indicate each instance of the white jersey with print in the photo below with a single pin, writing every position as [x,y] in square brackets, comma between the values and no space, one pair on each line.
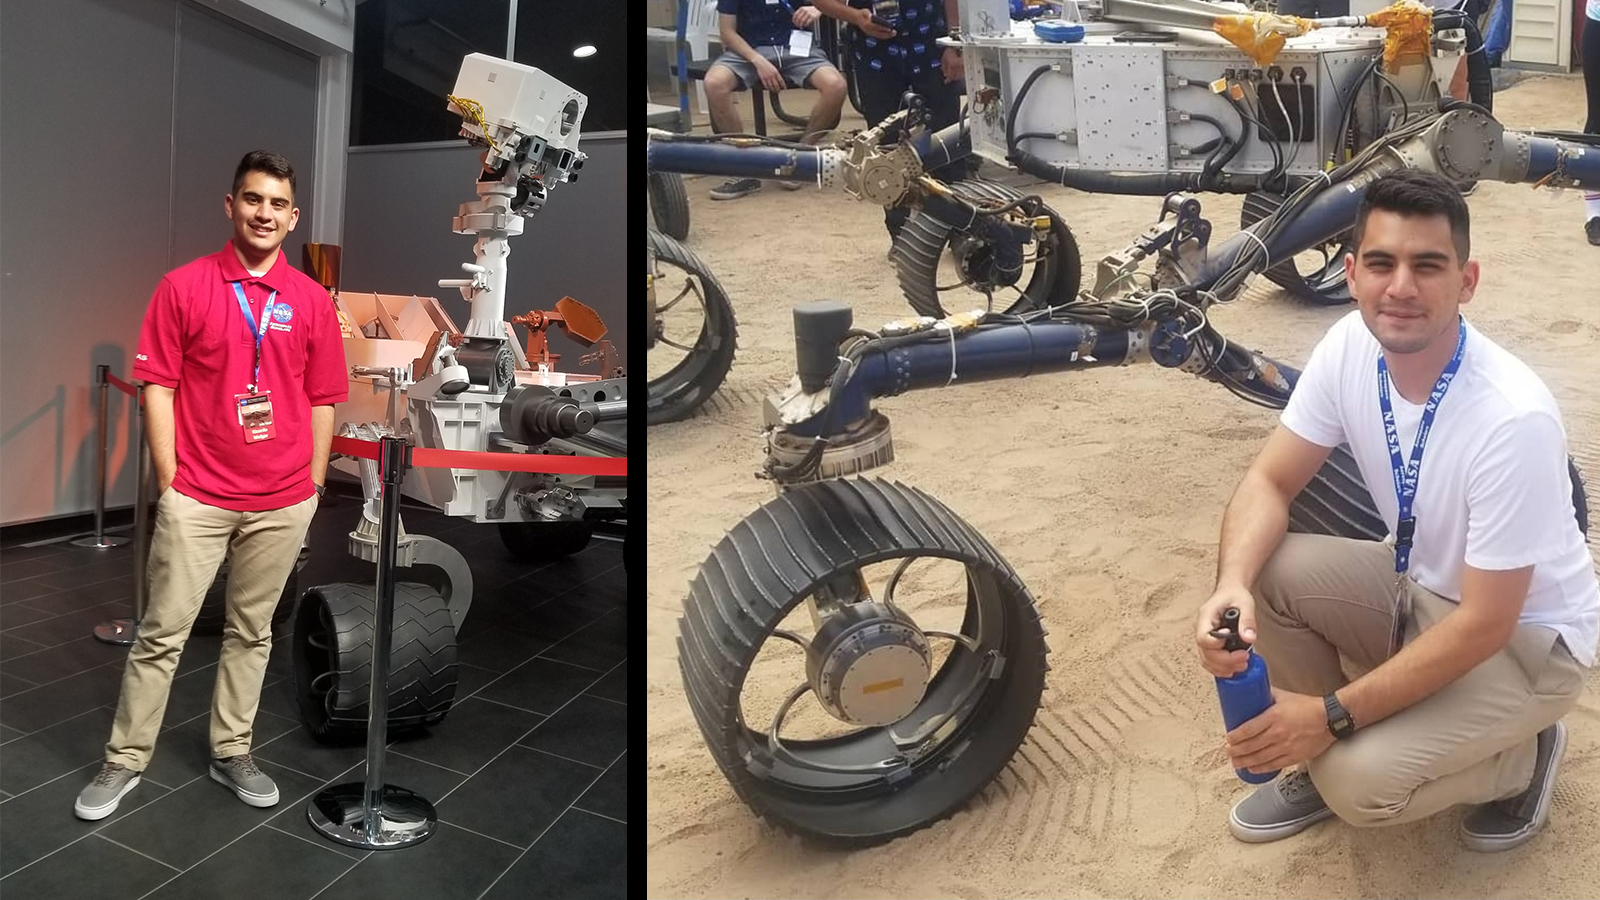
[1493,491]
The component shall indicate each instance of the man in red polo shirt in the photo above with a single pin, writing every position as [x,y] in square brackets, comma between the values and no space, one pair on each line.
[242,360]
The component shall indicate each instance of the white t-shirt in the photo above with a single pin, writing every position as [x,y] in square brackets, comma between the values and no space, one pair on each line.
[1593,10]
[1493,491]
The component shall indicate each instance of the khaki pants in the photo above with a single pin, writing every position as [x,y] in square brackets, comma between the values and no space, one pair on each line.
[1320,598]
[186,548]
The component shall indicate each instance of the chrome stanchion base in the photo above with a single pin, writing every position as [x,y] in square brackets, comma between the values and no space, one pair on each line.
[102,542]
[117,631]
[339,813]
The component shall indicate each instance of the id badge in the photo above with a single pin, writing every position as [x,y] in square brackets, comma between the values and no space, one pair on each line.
[255,416]
[800,42]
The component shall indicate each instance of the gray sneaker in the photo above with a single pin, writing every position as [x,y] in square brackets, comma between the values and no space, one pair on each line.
[247,780]
[101,797]
[735,188]
[1511,822]
[1287,806]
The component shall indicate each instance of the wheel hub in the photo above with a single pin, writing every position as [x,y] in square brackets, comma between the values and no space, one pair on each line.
[868,664]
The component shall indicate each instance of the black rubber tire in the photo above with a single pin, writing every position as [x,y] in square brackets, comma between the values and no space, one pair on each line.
[924,239]
[669,204]
[332,658]
[1336,501]
[677,393]
[214,609]
[539,541]
[1324,287]
[765,567]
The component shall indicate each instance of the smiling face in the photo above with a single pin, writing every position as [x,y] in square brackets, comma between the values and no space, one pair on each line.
[1408,281]
[263,213]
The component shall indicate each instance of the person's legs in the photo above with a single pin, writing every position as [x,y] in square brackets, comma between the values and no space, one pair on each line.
[262,554]
[728,74]
[943,104]
[1320,596]
[1591,84]
[1323,603]
[1471,742]
[721,81]
[829,84]
[880,91]
[186,548]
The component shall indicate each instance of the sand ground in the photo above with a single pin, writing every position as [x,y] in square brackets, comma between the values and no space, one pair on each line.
[1104,490]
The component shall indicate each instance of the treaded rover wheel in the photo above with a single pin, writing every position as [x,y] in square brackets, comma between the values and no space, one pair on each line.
[678,392]
[669,204]
[1057,269]
[1323,285]
[1336,501]
[545,540]
[767,566]
[332,656]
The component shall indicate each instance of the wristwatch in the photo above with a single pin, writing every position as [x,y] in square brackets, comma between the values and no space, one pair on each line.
[1340,723]
[321,489]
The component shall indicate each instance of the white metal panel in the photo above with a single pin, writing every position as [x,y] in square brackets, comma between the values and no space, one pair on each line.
[1541,34]
[1122,119]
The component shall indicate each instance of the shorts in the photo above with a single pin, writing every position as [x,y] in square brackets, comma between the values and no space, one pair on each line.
[794,69]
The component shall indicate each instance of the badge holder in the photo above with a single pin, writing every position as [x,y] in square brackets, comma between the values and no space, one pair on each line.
[374,815]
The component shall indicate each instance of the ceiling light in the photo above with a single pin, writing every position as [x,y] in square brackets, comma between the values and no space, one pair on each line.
[585,50]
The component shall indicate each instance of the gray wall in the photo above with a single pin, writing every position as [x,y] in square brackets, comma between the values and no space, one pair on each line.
[399,203]
[119,129]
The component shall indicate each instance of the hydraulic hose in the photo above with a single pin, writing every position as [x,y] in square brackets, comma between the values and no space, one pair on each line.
[1480,85]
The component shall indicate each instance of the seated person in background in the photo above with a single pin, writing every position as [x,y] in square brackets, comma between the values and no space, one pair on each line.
[893,55]
[767,45]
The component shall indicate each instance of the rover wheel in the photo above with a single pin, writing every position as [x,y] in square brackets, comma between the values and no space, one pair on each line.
[1336,501]
[691,333]
[1315,276]
[332,658]
[908,695]
[943,271]
[535,541]
[669,204]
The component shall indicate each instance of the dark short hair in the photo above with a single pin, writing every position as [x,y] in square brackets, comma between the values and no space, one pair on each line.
[1413,193]
[264,161]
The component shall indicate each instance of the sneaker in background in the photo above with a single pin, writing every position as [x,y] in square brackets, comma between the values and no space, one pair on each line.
[734,188]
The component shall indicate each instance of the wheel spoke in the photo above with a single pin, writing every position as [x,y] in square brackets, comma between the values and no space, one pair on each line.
[688,289]
[672,343]
[779,751]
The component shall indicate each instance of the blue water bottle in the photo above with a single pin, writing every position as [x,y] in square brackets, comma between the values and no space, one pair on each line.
[1246,694]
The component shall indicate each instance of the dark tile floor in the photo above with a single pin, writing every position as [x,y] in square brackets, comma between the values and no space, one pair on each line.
[527,772]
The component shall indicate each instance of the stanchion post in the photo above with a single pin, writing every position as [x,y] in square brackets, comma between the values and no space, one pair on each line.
[100,541]
[374,815]
[123,631]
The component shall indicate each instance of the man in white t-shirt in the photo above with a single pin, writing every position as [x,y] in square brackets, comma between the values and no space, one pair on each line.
[1473,623]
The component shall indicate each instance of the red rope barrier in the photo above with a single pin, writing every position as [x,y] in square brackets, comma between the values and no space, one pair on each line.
[121,385]
[426,457]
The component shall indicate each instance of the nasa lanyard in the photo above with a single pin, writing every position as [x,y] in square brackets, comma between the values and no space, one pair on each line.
[261,332]
[1405,476]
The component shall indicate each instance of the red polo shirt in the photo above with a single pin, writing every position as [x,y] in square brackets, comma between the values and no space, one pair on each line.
[196,340]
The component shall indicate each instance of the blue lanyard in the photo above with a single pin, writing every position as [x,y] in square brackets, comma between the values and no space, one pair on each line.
[259,332]
[1405,476]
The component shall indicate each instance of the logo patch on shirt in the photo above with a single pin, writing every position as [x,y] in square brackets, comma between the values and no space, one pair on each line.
[282,312]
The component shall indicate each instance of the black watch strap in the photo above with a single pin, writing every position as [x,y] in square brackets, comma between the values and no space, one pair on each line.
[321,488]
[1340,723]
